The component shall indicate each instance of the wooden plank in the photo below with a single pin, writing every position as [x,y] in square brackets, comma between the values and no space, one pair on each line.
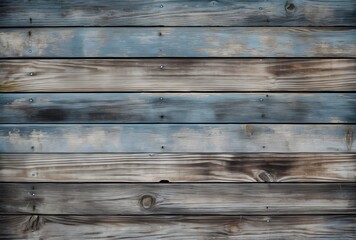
[225,74]
[178,227]
[178,108]
[178,13]
[176,138]
[163,167]
[172,42]
[172,198]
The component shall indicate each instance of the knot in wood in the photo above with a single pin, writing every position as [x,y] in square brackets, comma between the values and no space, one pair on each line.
[290,7]
[147,201]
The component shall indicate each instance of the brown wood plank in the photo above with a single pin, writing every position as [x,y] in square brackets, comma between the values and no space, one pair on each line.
[177,13]
[198,138]
[338,42]
[173,198]
[273,167]
[178,108]
[226,74]
[178,227]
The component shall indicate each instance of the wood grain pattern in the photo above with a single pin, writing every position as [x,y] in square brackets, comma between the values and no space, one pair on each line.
[177,227]
[163,167]
[177,13]
[226,74]
[178,108]
[212,198]
[172,42]
[176,138]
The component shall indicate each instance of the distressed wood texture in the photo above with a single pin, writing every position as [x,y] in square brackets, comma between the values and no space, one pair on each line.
[178,108]
[178,42]
[222,74]
[178,227]
[172,198]
[274,167]
[178,13]
[176,138]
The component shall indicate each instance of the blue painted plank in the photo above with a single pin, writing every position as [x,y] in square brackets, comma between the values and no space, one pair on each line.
[178,108]
[176,138]
[178,42]
[178,13]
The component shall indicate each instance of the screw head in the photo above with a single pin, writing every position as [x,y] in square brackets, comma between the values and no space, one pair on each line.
[261,99]
[31,73]
[161,67]
[161,6]
[30,100]
[29,51]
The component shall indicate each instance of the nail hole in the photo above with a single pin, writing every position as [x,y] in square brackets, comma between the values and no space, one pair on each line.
[267,95]
[164,181]
[31,20]
[260,8]
[263,146]
[33,188]
[33,207]
[32,147]
[159,34]
[29,33]
[162,147]
[267,207]
[263,115]
[162,116]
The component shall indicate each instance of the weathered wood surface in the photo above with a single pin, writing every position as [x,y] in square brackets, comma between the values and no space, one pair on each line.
[177,13]
[212,198]
[172,198]
[178,42]
[178,108]
[129,75]
[177,227]
[176,138]
[273,167]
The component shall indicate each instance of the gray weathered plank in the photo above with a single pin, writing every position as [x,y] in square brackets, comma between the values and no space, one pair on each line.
[178,42]
[212,198]
[217,74]
[178,227]
[178,108]
[178,13]
[176,138]
[272,167]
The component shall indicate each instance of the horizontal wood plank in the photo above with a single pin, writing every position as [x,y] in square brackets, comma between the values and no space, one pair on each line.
[178,227]
[163,167]
[178,108]
[212,198]
[225,74]
[178,42]
[176,138]
[178,13]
